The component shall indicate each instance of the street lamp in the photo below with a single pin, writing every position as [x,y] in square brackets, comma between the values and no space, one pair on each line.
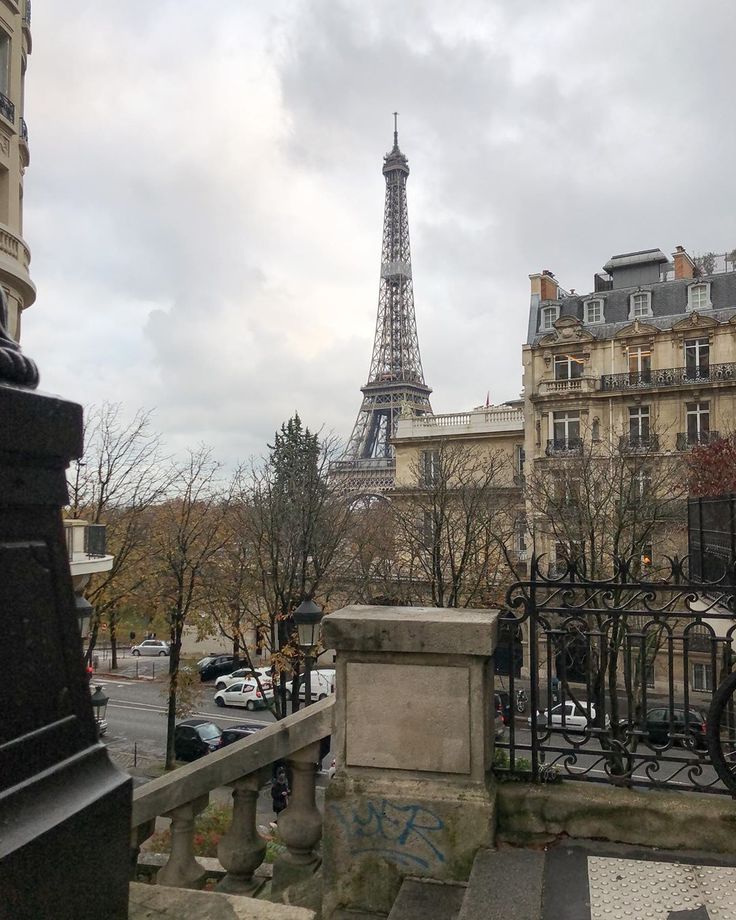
[84,614]
[308,619]
[99,704]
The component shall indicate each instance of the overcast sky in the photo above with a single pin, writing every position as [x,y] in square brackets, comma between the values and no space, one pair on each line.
[204,200]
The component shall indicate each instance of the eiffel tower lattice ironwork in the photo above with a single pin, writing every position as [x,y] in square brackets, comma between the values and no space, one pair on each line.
[396,379]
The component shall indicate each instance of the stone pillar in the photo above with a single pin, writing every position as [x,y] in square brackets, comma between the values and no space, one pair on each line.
[242,849]
[64,808]
[413,794]
[300,824]
[182,870]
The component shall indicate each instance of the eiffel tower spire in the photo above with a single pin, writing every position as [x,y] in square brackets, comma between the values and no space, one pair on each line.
[396,379]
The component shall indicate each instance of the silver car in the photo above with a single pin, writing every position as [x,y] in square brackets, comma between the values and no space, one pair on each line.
[151,647]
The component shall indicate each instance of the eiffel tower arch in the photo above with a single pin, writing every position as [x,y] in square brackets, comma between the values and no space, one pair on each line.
[396,380]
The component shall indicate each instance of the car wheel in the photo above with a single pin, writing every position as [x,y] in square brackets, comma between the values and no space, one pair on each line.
[250,705]
[322,696]
[219,700]
[160,654]
[135,652]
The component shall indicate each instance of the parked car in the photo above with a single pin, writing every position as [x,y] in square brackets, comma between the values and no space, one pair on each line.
[245,693]
[194,738]
[221,664]
[575,717]
[242,673]
[238,732]
[502,702]
[151,647]
[659,729]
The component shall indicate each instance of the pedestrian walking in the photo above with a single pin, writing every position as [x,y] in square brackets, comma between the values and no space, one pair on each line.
[280,792]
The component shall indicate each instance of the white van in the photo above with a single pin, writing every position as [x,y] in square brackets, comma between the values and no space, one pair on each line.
[322,684]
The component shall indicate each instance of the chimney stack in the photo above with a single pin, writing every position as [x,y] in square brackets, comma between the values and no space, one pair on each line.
[684,265]
[545,285]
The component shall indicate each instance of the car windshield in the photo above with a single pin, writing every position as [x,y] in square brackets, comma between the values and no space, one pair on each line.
[203,661]
[209,731]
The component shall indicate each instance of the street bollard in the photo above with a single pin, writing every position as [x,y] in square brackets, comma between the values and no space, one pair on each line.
[136,668]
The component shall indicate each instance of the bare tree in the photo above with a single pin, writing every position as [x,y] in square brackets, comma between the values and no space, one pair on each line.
[454,522]
[603,504]
[187,536]
[119,479]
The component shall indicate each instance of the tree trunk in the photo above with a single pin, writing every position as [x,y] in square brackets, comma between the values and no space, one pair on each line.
[113,641]
[92,642]
[174,658]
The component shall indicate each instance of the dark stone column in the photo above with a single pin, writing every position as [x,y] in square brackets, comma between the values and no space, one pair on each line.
[64,808]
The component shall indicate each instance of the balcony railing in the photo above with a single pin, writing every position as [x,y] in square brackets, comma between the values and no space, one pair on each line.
[560,447]
[635,443]
[669,377]
[23,129]
[91,542]
[569,387]
[244,766]
[7,108]
[95,540]
[686,440]
[27,13]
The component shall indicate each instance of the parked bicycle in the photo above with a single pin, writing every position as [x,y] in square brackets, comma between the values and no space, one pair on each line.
[522,700]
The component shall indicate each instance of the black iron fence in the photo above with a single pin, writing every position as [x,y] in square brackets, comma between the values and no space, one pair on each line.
[619,671]
[711,530]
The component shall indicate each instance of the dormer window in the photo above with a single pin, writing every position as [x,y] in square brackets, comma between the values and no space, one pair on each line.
[640,304]
[593,311]
[547,318]
[698,296]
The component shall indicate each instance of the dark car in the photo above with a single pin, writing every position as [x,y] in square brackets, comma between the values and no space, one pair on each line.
[238,732]
[194,738]
[214,667]
[659,728]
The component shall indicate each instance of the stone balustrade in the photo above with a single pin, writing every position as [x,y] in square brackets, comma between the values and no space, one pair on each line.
[245,766]
[479,421]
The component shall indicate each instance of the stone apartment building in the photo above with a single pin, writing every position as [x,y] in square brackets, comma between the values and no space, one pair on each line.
[15,257]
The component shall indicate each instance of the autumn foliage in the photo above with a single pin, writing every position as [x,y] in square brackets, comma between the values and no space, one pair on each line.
[712,467]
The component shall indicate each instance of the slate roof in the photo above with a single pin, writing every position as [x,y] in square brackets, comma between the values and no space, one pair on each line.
[669,305]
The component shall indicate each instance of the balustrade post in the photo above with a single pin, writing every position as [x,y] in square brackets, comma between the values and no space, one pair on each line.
[300,824]
[182,870]
[242,849]
[138,835]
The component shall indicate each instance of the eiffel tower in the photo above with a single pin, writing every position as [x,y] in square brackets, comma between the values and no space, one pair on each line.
[396,379]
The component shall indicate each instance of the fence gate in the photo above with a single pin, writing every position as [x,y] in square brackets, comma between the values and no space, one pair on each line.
[629,679]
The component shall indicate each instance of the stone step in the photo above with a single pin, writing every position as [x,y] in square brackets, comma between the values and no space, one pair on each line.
[505,884]
[420,899]
[157,902]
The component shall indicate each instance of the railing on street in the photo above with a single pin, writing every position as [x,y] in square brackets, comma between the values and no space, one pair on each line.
[669,377]
[245,766]
[561,447]
[687,440]
[621,672]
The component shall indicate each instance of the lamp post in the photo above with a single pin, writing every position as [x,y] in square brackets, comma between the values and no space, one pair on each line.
[84,614]
[308,619]
[99,704]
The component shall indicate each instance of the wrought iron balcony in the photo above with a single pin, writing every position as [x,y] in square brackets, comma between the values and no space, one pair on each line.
[561,447]
[638,443]
[669,377]
[27,13]
[23,129]
[686,441]
[7,108]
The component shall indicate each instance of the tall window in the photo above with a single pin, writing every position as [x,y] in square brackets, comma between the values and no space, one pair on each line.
[430,467]
[702,677]
[698,297]
[640,304]
[566,429]
[4,63]
[640,364]
[568,367]
[547,317]
[698,422]
[639,425]
[697,358]
[594,311]
[519,457]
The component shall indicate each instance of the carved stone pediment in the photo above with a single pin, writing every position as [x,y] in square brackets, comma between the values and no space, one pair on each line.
[637,329]
[567,329]
[694,320]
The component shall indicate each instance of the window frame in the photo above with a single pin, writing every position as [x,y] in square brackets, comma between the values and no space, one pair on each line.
[632,301]
[699,349]
[566,417]
[430,469]
[640,420]
[572,363]
[543,312]
[707,675]
[698,286]
[593,302]
[700,412]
